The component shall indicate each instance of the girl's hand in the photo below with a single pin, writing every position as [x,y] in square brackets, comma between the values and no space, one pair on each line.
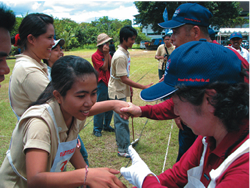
[103,177]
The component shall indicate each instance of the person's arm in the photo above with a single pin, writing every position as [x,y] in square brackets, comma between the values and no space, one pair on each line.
[104,106]
[131,83]
[37,162]
[162,111]
[177,175]
[38,177]
[159,53]
[159,57]
[77,159]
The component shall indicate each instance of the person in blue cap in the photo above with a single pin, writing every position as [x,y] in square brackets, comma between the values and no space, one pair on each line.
[211,97]
[236,40]
[189,23]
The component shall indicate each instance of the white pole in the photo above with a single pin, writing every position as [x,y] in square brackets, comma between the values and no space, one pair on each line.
[167,146]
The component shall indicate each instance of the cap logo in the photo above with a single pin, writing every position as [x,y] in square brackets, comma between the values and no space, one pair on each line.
[167,66]
[193,80]
[177,11]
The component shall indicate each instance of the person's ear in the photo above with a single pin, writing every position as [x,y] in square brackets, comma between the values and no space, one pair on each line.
[57,96]
[31,39]
[197,32]
[209,94]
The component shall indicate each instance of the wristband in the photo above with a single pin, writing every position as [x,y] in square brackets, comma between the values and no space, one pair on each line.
[85,178]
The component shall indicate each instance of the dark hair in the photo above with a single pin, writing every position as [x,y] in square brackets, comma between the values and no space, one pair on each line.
[64,73]
[7,17]
[35,24]
[230,102]
[126,32]
[167,35]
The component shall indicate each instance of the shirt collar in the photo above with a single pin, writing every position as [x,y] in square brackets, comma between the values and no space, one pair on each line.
[123,50]
[40,64]
[100,53]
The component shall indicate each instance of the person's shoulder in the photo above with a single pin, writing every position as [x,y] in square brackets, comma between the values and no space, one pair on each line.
[172,46]
[244,50]
[161,46]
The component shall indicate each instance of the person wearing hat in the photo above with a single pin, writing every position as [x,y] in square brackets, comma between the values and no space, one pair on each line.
[236,40]
[210,95]
[182,33]
[120,85]
[190,22]
[163,52]
[56,53]
[101,60]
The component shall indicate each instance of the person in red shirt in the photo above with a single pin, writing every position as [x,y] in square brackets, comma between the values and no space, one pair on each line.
[101,60]
[211,97]
[185,30]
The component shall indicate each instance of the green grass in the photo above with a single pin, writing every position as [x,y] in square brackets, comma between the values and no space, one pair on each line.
[102,151]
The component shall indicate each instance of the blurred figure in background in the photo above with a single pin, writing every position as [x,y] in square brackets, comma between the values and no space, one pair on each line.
[162,54]
[56,53]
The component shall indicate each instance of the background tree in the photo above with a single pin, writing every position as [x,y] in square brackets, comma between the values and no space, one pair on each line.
[84,34]
[151,12]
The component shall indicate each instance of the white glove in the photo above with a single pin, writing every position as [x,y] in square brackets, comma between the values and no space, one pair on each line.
[137,172]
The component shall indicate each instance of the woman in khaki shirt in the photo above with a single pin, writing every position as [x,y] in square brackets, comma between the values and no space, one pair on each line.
[53,120]
[30,77]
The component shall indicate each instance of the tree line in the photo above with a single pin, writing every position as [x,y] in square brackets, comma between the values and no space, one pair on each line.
[83,35]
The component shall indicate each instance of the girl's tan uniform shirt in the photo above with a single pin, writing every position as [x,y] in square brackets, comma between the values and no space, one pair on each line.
[36,130]
[28,80]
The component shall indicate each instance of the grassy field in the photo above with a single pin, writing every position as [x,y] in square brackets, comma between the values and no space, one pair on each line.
[102,151]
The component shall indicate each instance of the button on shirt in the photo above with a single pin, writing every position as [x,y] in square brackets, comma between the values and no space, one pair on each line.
[28,80]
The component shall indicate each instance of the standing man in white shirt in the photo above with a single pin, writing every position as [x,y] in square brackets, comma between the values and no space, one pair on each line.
[236,40]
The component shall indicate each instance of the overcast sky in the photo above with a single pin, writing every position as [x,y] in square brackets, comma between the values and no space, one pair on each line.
[79,11]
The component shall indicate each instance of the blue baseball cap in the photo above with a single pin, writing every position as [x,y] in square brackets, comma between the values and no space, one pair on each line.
[188,13]
[196,63]
[235,35]
[211,31]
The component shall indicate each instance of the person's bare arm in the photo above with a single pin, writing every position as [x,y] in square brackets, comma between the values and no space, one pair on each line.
[37,176]
[131,83]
